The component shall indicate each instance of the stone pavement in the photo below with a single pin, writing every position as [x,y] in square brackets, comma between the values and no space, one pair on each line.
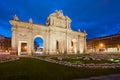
[6,57]
[107,77]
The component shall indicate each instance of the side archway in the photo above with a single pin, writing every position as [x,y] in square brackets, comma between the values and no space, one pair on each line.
[74,46]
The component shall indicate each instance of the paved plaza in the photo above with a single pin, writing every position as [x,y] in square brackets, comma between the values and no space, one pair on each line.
[108,77]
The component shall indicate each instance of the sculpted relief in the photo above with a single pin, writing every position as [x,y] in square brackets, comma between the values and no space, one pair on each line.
[57,19]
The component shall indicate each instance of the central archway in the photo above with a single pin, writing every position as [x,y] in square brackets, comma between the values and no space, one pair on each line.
[38,45]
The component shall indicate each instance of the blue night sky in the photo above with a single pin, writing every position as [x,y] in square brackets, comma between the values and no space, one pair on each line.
[97,17]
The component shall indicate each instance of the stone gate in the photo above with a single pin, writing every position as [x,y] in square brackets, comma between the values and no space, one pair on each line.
[57,36]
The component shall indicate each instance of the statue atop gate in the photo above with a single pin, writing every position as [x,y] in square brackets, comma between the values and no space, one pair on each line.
[57,19]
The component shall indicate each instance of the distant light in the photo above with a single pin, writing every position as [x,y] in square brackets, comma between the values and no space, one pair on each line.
[101,44]
[25,47]
[111,59]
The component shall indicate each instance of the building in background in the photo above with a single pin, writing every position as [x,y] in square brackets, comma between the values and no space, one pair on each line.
[5,44]
[104,44]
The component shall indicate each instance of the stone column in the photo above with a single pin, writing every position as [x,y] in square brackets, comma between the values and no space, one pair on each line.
[49,40]
[29,42]
[32,43]
[49,43]
[46,42]
[85,45]
[14,41]
[81,47]
[67,24]
[78,49]
[67,46]
[54,44]
[52,49]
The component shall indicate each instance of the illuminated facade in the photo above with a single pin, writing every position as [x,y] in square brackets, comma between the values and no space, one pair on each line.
[104,44]
[57,36]
[5,44]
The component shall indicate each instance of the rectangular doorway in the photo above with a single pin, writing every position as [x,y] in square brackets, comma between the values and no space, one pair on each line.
[23,47]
